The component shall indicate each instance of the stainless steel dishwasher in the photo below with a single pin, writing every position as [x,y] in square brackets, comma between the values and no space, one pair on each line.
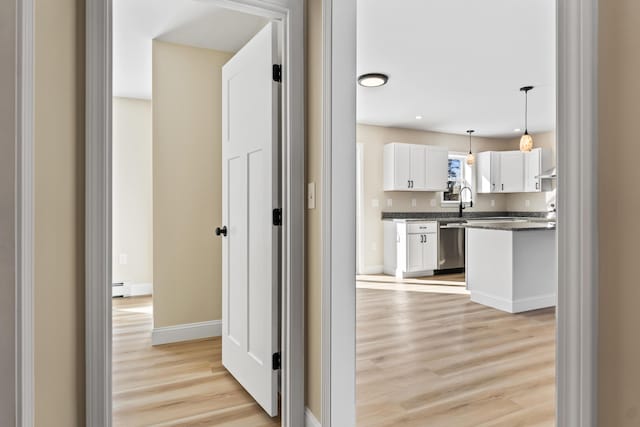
[450,245]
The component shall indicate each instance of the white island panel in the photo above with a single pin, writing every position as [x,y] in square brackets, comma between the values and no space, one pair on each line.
[512,271]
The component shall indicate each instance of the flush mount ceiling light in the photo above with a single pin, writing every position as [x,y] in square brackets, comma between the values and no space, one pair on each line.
[526,141]
[373,80]
[471,159]
[419,117]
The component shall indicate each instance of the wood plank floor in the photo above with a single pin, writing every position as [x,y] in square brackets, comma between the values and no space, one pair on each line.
[423,359]
[437,359]
[176,384]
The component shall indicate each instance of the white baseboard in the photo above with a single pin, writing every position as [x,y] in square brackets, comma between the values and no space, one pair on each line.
[186,332]
[310,420]
[517,306]
[138,289]
[534,303]
[373,269]
[132,290]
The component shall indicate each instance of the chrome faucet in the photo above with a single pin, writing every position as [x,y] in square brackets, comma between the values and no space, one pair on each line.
[462,207]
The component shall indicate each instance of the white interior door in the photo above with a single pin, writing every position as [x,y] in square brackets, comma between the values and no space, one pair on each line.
[250,250]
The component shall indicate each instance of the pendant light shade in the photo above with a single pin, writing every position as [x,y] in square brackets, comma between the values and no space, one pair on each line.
[471,159]
[526,142]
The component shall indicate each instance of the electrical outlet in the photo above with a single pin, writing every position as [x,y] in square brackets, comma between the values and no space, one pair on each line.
[432,203]
[414,203]
[123,259]
[311,195]
[375,203]
[527,203]
[493,203]
[389,203]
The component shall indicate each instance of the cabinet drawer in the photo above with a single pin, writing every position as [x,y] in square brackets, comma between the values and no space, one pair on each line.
[422,227]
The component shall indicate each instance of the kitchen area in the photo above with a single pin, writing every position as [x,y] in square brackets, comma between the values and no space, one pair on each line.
[495,227]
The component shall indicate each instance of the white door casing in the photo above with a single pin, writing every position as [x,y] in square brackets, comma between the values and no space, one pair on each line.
[250,274]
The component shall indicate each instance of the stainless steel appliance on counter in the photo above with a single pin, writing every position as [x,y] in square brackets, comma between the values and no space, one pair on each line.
[450,245]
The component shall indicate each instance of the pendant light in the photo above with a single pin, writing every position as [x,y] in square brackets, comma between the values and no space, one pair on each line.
[526,141]
[471,159]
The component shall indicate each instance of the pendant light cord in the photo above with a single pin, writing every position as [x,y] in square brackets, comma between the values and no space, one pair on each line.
[526,112]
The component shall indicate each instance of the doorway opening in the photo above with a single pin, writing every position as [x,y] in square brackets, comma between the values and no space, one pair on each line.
[456,244]
[196,245]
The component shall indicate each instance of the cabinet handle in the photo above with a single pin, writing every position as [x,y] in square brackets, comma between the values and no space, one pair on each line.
[409,184]
[537,185]
[502,187]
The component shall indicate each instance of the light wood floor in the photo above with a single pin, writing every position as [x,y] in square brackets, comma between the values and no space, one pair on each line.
[175,384]
[423,359]
[437,359]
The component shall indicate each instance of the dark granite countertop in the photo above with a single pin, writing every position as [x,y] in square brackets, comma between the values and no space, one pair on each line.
[513,226]
[453,216]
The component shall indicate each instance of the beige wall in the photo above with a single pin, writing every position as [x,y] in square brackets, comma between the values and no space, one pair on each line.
[132,190]
[373,139]
[59,217]
[59,108]
[187,183]
[619,206]
[7,211]
[313,242]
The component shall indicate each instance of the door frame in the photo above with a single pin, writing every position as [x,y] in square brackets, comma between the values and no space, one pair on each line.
[577,232]
[290,13]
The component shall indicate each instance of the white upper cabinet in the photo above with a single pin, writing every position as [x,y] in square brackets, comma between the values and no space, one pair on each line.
[532,170]
[418,167]
[509,171]
[511,175]
[411,167]
[437,168]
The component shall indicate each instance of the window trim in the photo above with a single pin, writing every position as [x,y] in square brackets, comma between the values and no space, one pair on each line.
[467,169]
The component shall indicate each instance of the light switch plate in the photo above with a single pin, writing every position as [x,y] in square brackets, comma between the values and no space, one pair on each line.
[414,203]
[375,203]
[389,203]
[493,203]
[123,259]
[527,203]
[311,195]
[433,203]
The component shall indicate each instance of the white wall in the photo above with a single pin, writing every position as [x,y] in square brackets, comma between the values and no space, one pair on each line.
[373,139]
[132,191]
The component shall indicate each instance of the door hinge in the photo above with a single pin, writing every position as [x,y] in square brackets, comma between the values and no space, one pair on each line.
[275,361]
[277,72]
[277,216]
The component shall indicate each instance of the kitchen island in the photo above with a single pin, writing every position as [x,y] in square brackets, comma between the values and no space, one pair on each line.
[511,266]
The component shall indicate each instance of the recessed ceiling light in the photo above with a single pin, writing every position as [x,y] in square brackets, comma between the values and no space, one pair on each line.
[373,80]
[418,117]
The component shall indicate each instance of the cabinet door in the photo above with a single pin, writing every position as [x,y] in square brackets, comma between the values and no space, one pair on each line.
[437,164]
[418,169]
[484,183]
[402,166]
[430,251]
[414,252]
[532,166]
[511,172]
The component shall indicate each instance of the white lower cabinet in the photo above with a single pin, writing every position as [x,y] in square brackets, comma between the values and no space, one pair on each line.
[410,248]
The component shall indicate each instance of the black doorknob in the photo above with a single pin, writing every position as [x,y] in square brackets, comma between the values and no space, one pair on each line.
[222,231]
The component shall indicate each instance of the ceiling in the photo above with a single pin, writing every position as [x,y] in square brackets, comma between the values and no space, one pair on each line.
[459,64]
[190,22]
